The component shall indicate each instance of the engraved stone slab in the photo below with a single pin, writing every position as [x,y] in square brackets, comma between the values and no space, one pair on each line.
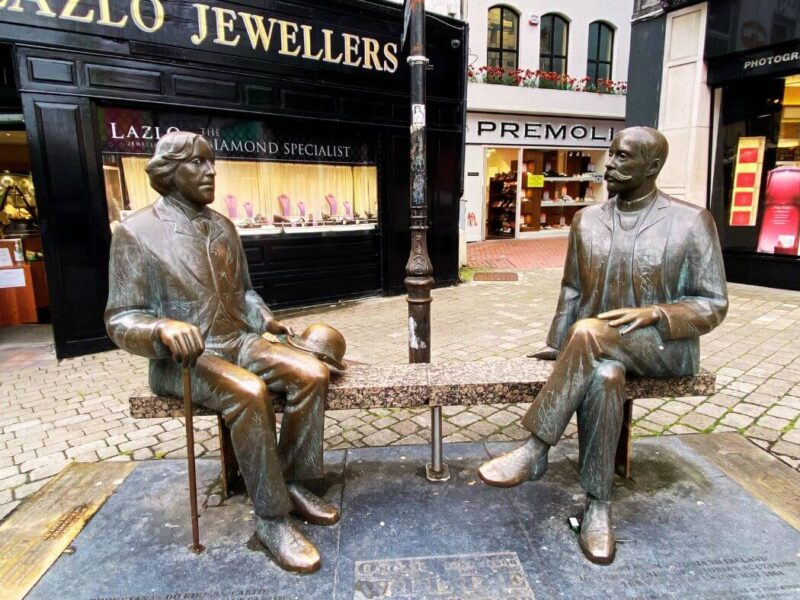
[494,576]
[686,529]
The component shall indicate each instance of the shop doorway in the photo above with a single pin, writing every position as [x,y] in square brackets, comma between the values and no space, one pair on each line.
[24,298]
[502,192]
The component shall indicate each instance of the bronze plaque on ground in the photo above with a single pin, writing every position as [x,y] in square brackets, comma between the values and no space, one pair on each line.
[36,534]
[476,576]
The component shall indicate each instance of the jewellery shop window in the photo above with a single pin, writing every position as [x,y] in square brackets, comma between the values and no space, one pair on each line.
[270,178]
[760,137]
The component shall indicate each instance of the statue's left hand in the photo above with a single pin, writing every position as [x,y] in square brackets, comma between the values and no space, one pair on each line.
[633,318]
[275,327]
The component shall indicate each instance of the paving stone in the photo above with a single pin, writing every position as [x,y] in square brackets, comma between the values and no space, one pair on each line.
[503,418]
[677,407]
[698,421]
[711,410]
[784,412]
[762,433]
[739,421]
[662,417]
[752,410]
[773,422]
[793,436]
[6,509]
[383,437]
[463,419]
[405,428]
[787,449]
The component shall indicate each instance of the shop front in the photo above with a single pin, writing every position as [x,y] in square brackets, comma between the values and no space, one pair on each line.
[306,106]
[753,57]
[528,175]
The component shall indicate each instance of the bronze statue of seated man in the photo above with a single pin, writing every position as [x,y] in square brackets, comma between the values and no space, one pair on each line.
[180,293]
[643,280]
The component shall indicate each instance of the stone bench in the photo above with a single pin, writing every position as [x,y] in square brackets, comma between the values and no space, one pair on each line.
[434,386]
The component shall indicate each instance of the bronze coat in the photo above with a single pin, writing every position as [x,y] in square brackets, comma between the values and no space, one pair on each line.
[677,266]
[164,277]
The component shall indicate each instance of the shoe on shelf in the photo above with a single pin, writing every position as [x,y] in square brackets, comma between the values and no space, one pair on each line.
[290,549]
[310,507]
[597,532]
[528,462]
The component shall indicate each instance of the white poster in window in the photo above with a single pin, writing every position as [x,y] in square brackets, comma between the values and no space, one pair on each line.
[5,258]
[12,278]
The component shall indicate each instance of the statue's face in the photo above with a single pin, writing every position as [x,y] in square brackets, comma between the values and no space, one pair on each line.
[194,177]
[626,168]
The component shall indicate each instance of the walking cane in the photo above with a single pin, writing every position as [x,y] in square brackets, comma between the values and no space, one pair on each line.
[196,546]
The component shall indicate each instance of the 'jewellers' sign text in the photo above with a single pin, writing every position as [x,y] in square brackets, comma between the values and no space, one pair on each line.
[212,26]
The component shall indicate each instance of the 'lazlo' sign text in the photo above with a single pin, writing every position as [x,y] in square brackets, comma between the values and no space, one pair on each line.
[215,26]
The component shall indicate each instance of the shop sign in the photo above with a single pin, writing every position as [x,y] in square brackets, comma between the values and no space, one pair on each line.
[211,26]
[130,131]
[747,181]
[753,64]
[560,132]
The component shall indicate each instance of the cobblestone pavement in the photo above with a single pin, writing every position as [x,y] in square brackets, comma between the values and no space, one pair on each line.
[540,253]
[77,409]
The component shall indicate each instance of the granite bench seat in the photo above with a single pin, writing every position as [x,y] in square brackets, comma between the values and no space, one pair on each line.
[442,384]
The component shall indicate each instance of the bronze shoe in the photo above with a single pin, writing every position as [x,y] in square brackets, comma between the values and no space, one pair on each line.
[529,461]
[290,549]
[310,507]
[597,532]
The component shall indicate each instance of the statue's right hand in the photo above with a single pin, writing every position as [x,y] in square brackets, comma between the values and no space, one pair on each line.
[183,340]
[546,353]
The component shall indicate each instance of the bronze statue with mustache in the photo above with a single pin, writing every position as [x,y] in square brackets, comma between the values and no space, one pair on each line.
[643,280]
[180,293]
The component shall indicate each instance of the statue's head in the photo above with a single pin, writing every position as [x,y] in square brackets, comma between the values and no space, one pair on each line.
[183,166]
[635,159]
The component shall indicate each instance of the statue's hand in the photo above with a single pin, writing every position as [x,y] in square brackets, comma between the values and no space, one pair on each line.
[632,318]
[275,327]
[546,353]
[183,340]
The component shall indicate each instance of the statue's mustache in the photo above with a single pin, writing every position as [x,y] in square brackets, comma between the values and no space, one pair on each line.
[617,176]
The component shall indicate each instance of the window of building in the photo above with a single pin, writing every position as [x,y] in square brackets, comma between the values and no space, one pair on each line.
[554,43]
[270,178]
[601,51]
[503,38]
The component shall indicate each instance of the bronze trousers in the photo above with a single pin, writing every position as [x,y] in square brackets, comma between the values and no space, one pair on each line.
[589,379]
[240,383]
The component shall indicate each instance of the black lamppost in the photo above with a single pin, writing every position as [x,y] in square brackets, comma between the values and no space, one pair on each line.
[419,270]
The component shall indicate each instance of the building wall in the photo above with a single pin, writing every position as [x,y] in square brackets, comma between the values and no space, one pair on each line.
[684,114]
[579,13]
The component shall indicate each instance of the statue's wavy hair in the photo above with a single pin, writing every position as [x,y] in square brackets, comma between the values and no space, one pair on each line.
[171,150]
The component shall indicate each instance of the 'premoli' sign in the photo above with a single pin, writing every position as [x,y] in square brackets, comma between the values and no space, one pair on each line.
[523,130]
[211,26]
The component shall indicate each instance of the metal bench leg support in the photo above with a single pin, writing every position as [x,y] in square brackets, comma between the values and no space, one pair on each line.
[436,470]
[196,546]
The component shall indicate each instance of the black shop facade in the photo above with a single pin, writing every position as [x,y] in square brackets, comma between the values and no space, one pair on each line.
[306,106]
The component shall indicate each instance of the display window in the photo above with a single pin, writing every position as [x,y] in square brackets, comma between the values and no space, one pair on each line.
[760,137]
[24,296]
[543,196]
[270,178]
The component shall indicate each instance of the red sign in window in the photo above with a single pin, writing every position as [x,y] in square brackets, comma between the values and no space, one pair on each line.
[741,217]
[748,155]
[743,199]
[745,180]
